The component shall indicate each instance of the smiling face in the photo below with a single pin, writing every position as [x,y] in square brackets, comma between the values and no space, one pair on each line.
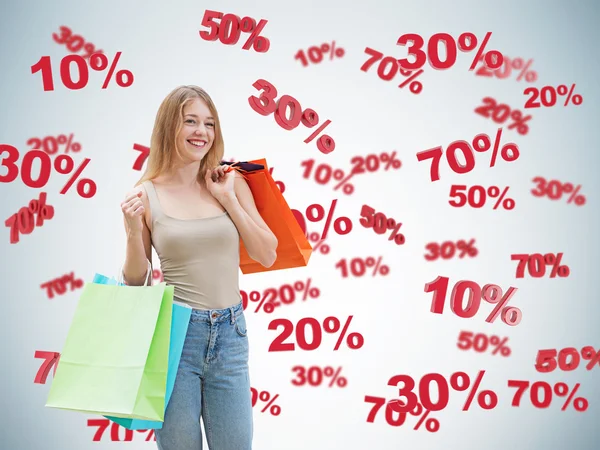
[197,133]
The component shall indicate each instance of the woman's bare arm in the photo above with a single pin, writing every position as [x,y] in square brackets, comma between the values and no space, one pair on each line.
[258,238]
[139,251]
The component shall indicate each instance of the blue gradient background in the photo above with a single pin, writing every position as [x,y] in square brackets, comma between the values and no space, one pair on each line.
[160,44]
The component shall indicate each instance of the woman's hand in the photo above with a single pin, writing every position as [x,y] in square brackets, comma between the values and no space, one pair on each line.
[133,211]
[219,183]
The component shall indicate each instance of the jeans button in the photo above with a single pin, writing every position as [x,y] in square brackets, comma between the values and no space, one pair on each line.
[214,315]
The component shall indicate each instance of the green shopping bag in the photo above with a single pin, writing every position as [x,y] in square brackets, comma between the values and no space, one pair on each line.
[115,358]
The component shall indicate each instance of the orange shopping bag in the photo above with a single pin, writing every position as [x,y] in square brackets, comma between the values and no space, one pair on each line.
[293,249]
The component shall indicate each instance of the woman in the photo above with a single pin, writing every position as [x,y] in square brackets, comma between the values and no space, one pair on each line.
[194,213]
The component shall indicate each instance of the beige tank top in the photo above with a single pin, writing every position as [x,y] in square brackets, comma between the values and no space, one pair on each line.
[200,258]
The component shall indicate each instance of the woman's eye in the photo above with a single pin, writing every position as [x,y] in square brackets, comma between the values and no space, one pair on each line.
[210,125]
[190,120]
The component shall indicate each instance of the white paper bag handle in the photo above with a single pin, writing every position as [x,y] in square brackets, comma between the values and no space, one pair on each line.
[122,275]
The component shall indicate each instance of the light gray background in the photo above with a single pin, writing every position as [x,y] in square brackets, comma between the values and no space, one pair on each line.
[160,44]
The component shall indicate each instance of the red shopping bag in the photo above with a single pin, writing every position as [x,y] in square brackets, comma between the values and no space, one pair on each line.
[293,249]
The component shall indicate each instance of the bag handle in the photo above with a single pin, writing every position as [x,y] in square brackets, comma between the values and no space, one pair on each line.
[121,280]
[238,166]
[237,169]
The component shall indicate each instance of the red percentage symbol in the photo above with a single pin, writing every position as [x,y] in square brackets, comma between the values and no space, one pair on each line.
[51,359]
[499,346]
[315,213]
[383,270]
[548,94]
[395,235]
[380,223]
[325,143]
[580,404]
[81,184]
[481,143]
[530,76]
[60,285]
[308,117]
[265,396]
[338,174]
[447,249]
[516,64]
[557,269]
[287,294]
[321,246]
[371,162]
[432,425]
[500,112]
[144,152]
[480,342]
[467,248]
[23,221]
[536,263]
[69,144]
[579,199]
[315,54]
[477,201]
[50,144]
[494,191]
[339,52]
[99,62]
[256,297]
[590,354]
[328,372]
[492,293]
[388,66]
[484,145]
[390,160]
[577,99]
[306,290]
[332,325]
[519,122]
[336,379]
[42,210]
[561,389]
[460,381]
[260,43]
[415,86]
[468,41]
[324,173]
[555,189]
[228,31]
[359,266]
[74,283]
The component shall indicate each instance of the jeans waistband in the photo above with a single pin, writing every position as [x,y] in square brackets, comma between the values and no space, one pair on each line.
[218,315]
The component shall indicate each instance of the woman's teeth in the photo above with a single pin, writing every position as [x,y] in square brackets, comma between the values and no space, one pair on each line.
[198,144]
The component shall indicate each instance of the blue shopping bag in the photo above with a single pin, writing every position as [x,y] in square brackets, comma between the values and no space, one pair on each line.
[179,326]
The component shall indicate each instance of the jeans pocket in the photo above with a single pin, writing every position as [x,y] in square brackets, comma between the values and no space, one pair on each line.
[240,325]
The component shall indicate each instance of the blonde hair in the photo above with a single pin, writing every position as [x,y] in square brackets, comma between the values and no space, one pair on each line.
[168,124]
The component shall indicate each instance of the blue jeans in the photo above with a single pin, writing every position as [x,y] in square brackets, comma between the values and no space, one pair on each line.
[213,382]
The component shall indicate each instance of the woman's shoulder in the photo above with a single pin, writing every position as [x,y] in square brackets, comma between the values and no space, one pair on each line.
[140,187]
